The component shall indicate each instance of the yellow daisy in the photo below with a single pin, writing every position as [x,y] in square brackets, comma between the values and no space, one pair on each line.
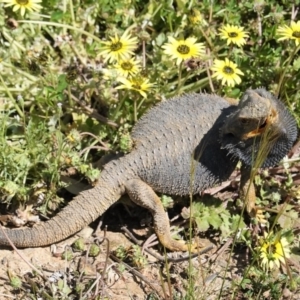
[128,67]
[195,16]
[30,5]
[138,84]
[119,48]
[234,34]
[227,71]
[183,49]
[273,250]
[290,32]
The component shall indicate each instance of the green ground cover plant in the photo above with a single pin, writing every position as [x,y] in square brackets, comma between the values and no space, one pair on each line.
[75,76]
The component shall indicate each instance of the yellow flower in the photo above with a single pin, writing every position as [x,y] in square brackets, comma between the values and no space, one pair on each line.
[183,49]
[234,34]
[195,16]
[128,67]
[273,250]
[30,5]
[292,32]
[138,84]
[119,48]
[227,71]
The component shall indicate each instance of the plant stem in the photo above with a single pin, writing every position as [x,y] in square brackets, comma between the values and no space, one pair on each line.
[72,12]
[179,78]
[296,49]
[134,111]
[18,109]
[210,45]
[121,102]
[63,26]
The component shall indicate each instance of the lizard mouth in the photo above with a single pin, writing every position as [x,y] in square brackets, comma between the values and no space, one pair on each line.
[258,131]
[269,121]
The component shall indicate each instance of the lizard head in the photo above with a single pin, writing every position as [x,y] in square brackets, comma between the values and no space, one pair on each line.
[260,129]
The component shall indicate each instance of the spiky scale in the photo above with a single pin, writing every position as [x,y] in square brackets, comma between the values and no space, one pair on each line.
[182,146]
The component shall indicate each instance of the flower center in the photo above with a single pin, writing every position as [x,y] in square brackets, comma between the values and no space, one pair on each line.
[22,2]
[183,49]
[228,70]
[232,34]
[127,66]
[271,250]
[136,86]
[296,34]
[116,46]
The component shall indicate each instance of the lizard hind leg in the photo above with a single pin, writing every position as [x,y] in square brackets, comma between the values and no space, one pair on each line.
[143,195]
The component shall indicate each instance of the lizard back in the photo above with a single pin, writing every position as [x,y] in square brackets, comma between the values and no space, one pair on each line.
[176,144]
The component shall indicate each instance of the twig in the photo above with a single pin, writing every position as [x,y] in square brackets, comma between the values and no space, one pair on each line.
[221,250]
[92,286]
[135,272]
[21,255]
[93,147]
[163,258]
[212,88]
[95,137]
[144,54]
[259,28]
[8,296]
[99,276]
[94,114]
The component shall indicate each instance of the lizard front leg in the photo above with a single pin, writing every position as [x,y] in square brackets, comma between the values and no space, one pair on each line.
[247,190]
[247,194]
[143,195]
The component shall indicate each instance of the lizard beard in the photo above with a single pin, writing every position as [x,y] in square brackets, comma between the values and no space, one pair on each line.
[271,140]
[267,149]
[258,152]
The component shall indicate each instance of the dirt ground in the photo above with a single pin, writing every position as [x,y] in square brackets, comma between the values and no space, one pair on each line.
[126,284]
[120,281]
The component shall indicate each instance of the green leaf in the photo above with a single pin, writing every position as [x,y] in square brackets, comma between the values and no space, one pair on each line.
[202,224]
[57,16]
[287,218]
[215,221]
[237,222]
[296,64]
[62,83]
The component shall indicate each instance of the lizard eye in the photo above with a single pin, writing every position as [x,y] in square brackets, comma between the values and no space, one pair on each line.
[244,121]
[231,135]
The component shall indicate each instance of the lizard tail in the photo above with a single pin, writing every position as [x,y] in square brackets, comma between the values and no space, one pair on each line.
[81,211]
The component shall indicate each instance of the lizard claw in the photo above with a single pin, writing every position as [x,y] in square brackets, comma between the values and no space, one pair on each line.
[197,248]
[182,246]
